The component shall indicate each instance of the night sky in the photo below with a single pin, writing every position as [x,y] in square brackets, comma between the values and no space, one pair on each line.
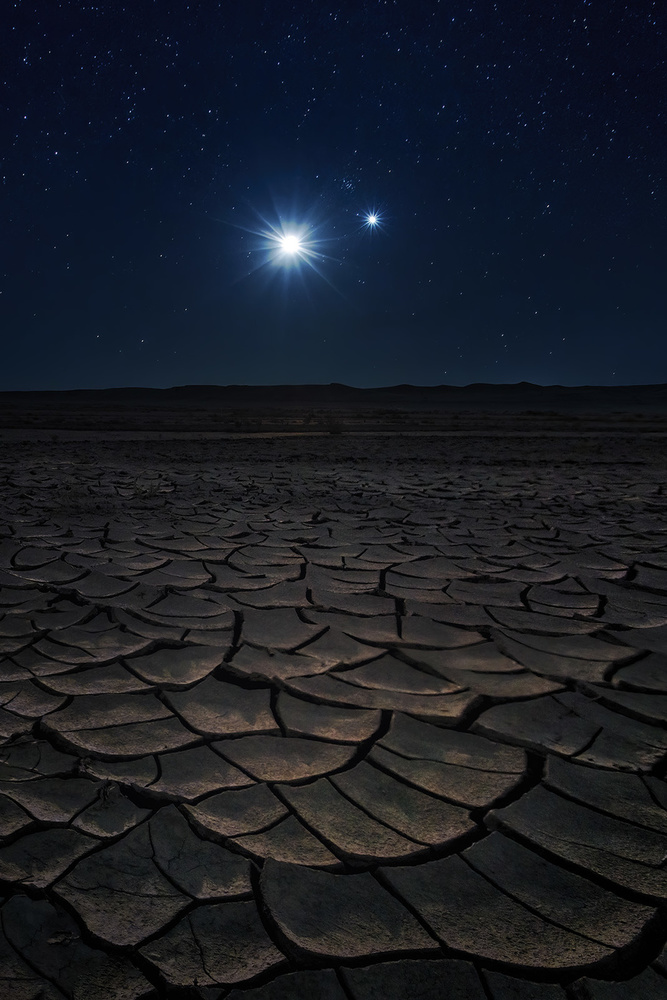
[154,154]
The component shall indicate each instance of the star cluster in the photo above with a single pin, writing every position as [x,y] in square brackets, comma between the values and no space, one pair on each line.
[482,182]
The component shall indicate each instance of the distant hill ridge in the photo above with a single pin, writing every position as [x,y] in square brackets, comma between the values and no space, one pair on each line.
[478,396]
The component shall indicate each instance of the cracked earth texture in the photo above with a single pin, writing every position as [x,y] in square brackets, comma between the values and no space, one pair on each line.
[339,719]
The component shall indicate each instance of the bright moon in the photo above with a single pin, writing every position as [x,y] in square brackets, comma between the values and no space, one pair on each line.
[290,243]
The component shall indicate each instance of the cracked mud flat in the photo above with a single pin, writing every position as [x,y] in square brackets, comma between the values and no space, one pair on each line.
[340,718]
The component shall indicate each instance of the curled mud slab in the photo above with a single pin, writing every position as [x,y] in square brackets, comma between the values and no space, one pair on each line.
[333,718]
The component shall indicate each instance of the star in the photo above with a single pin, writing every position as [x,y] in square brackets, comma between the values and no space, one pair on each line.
[372,219]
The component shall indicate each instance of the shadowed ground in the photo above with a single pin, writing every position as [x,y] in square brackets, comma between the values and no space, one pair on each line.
[334,717]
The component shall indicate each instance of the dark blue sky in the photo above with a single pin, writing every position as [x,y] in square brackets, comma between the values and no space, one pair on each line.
[515,152]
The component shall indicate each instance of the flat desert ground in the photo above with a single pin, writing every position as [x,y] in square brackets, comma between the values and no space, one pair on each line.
[306,695]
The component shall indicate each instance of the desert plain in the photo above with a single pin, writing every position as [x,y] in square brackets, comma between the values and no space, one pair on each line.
[314,692]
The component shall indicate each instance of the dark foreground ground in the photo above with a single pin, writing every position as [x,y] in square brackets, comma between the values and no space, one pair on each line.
[338,717]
